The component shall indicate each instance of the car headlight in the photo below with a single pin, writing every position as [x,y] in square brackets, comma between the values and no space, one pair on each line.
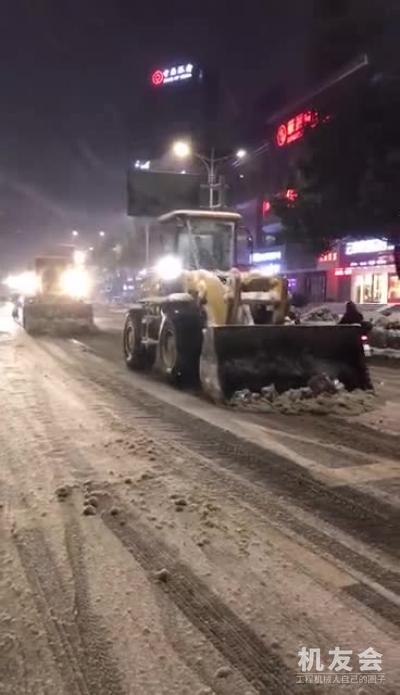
[75,282]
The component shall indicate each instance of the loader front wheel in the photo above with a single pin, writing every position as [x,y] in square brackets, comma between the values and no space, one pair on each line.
[134,350]
[27,324]
[179,349]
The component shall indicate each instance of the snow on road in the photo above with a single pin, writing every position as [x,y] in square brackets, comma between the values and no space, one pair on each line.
[152,544]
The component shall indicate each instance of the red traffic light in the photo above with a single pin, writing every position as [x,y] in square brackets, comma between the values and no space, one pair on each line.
[157,78]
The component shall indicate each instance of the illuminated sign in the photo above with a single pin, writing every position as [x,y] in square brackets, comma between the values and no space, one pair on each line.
[266,207]
[329,257]
[342,271]
[144,166]
[374,262]
[293,129]
[291,194]
[260,257]
[176,73]
[367,246]
[270,268]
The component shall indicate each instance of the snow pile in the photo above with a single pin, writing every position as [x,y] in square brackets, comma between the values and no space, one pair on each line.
[387,353]
[385,332]
[64,327]
[322,396]
[320,315]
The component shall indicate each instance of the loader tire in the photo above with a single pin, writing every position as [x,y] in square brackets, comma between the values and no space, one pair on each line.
[179,349]
[28,325]
[134,350]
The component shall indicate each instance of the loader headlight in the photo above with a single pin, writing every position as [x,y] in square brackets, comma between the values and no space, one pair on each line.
[75,282]
[79,257]
[169,267]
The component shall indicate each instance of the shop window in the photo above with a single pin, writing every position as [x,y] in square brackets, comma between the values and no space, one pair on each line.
[371,288]
[393,289]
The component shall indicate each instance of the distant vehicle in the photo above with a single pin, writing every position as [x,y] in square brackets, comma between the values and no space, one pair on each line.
[54,295]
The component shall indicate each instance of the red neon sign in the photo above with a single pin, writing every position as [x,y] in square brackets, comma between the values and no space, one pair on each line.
[339,272]
[291,194]
[157,78]
[281,135]
[266,207]
[328,257]
[293,129]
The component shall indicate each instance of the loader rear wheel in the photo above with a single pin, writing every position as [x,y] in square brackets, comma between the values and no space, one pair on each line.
[134,350]
[179,349]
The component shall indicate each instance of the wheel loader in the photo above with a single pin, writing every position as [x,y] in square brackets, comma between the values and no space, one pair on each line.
[201,318]
[56,299]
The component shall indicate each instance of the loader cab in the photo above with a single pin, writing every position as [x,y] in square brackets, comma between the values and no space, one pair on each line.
[205,239]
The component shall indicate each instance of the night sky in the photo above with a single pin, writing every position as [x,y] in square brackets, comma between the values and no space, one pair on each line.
[73,78]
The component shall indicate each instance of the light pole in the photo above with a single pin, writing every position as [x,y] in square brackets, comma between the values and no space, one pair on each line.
[182,150]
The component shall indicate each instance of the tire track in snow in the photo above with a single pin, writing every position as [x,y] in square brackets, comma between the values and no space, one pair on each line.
[354,511]
[259,469]
[233,638]
[74,636]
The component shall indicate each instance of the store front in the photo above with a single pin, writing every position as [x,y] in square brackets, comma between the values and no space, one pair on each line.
[370,287]
[369,264]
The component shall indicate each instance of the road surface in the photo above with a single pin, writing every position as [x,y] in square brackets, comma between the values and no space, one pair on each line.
[154,544]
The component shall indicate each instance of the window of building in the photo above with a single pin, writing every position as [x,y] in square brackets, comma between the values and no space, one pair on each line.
[393,289]
[371,288]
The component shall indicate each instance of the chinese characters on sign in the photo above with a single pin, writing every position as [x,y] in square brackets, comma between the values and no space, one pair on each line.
[342,667]
[354,248]
[266,207]
[328,257]
[290,194]
[293,129]
[177,73]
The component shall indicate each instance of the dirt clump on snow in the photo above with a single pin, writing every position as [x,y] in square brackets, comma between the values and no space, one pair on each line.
[93,501]
[63,491]
[89,510]
[180,503]
[223,672]
[162,575]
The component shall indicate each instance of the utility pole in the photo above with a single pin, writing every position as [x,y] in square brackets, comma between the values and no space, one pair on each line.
[211,178]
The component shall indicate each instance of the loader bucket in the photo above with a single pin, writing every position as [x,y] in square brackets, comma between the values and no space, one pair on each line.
[57,318]
[251,357]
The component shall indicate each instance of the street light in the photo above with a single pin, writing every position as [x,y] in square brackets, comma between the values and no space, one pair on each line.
[75,232]
[181,149]
[101,233]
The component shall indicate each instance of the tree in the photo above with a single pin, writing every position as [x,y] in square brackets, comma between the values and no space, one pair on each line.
[348,177]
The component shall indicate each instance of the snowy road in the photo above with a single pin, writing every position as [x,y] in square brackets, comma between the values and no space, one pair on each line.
[154,544]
